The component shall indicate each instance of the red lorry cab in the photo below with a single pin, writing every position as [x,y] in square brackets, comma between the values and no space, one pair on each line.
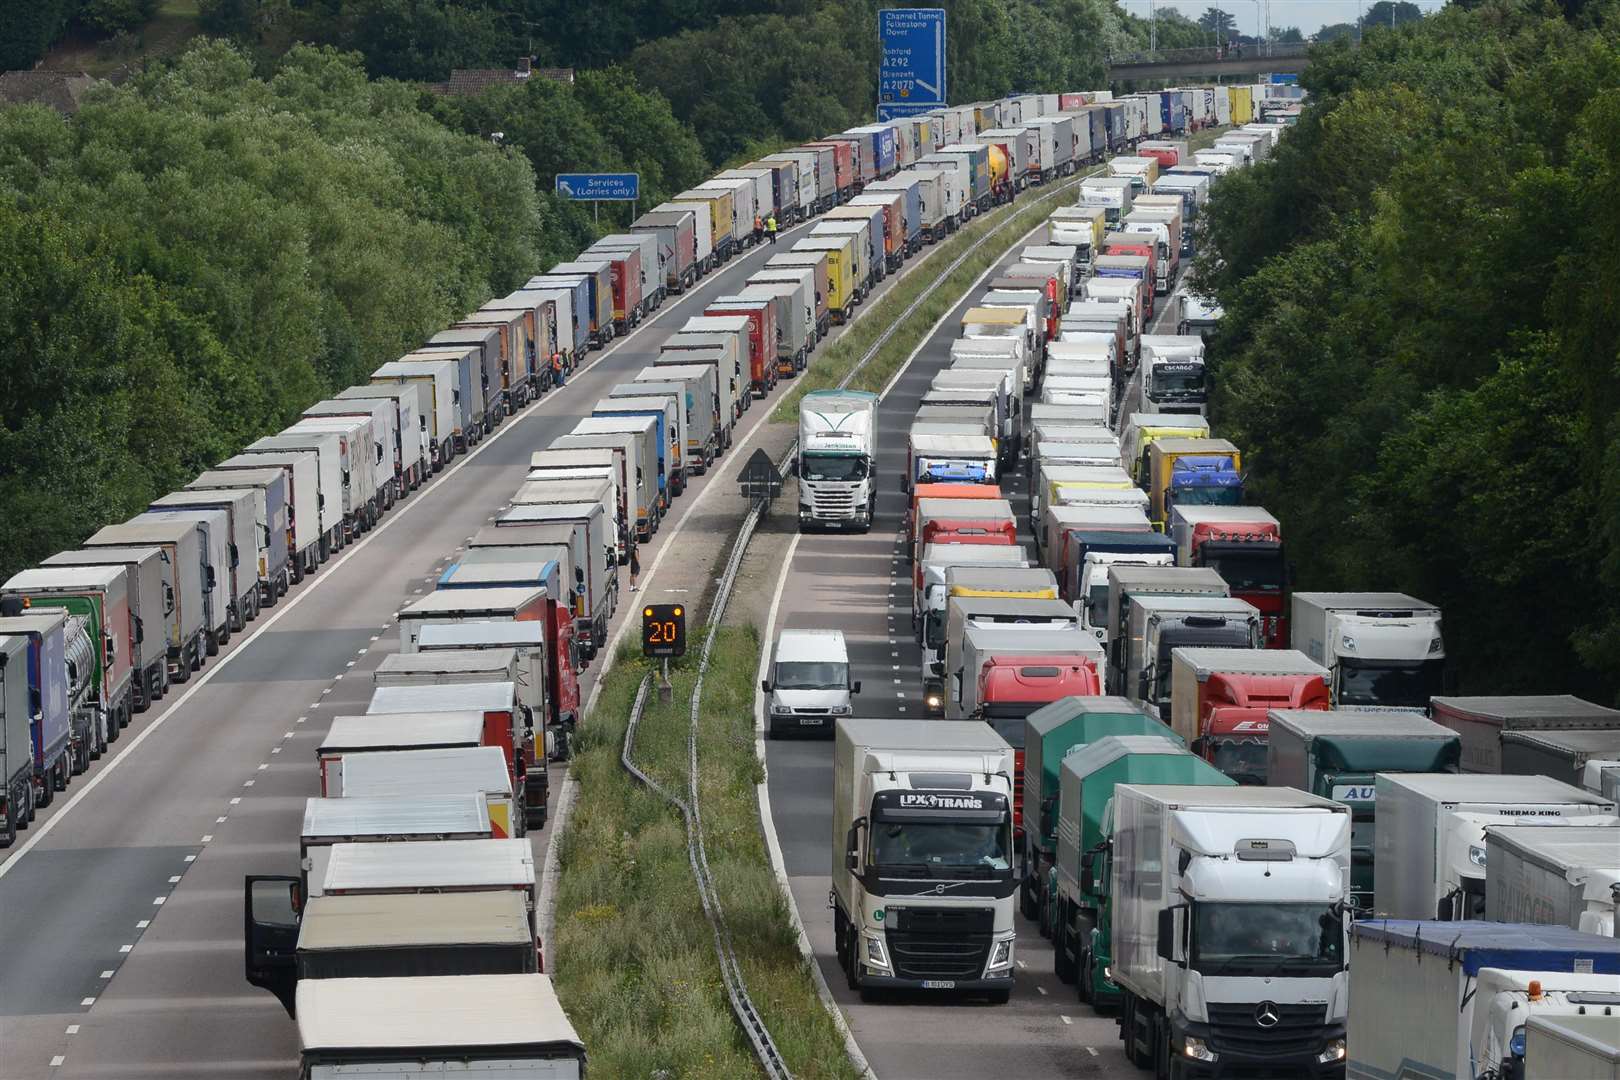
[963,530]
[1249,555]
[944,491]
[1143,245]
[1012,687]
[761,315]
[1232,726]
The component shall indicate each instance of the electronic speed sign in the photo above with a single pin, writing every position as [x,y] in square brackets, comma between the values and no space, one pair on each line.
[663,630]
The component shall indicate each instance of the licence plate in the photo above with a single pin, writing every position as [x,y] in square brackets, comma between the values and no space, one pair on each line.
[813,721]
[939,984]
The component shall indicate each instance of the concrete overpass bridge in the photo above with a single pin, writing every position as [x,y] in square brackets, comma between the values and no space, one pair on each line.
[1205,63]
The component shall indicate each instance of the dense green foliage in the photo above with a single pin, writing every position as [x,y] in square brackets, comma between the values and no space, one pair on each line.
[200,253]
[1421,351]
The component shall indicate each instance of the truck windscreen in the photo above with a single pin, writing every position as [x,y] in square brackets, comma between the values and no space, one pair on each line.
[1179,379]
[850,467]
[940,848]
[1251,572]
[1363,682]
[1266,939]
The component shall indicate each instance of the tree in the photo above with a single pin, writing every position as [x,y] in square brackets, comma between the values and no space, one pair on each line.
[1338,32]
[1218,22]
[1288,35]
[1385,13]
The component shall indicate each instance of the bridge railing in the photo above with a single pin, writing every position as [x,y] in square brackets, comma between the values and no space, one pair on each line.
[1279,50]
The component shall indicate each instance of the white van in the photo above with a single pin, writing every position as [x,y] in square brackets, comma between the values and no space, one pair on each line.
[809,683]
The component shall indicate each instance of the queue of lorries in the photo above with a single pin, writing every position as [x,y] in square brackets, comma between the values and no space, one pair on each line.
[416,877]
[1252,823]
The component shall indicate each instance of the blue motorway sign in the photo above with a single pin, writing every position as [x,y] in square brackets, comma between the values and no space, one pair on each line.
[912,76]
[613,186]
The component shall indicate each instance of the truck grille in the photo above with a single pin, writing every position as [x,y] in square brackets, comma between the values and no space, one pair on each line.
[833,500]
[1298,1029]
[940,943]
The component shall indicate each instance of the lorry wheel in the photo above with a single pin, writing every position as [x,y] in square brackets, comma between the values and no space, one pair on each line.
[46,793]
[852,962]
[8,832]
[27,815]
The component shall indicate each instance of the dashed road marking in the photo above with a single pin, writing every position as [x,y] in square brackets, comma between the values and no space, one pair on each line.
[56,1062]
[235,800]
[126,948]
[107,974]
[73,1029]
[1065,1019]
[143,924]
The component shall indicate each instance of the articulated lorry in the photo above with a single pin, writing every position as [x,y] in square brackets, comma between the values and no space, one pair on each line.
[1220,699]
[1566,875]
[1157,625]
[1244,545]
[1483,721]
[1383,649]
[837,459]
[1455,1001]
[1562,755]
[151,588]
[16,738]
[1430,859]
[922,857]
[1051,733]
[1229,929]
[1081,917]
[1337,754]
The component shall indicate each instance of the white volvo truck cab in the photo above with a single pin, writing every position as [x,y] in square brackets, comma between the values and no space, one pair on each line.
[922,857]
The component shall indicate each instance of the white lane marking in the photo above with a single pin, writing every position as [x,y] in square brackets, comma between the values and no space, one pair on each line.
[107,974]
[157,901]
[73,1029]
[1065,1020]
[143,924]
[56,1061]
[174,879]
[1092,1050]
[125,948]
[219,820]
[1041,990]
[247,783]
[191,858]
[236,800]
[263,765]
[87,1001]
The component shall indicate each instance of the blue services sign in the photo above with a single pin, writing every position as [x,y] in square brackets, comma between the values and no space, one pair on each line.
[613,186]
[912,77]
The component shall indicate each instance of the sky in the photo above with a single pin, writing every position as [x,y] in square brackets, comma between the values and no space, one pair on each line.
[1308,15]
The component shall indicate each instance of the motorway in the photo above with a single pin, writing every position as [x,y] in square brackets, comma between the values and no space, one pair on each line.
[861,585]
[121,907]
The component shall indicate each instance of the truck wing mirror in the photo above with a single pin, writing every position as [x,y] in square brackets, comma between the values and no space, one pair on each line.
[855,687]
[140,630]
[110,648]
[765,685]
[852,845]
[1167,934]
[168,599]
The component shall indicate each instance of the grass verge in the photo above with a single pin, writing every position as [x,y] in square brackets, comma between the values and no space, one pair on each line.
[632,954]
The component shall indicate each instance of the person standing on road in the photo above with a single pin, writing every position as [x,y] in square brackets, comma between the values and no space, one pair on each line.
[759,228]
[557,374]
[635,568]
[770,228]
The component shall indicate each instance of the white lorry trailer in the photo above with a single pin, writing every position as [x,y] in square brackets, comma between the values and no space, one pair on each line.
[1454,1001]
[837,459]
[1229,929]
[1567,875]
[1572,1048]
[1383,649]
[922,856]
[1430,857]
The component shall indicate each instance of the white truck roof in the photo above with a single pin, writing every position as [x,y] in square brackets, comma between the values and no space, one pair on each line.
[418,773]
[1362,601]
[402,731]
[401,920]
[428,1012]
[1012,640]
[430,865]
[448,662]
[395,816]
[894,734]
[473,634]
[442,601]
[451,697]
[1243,796]
[1487,788]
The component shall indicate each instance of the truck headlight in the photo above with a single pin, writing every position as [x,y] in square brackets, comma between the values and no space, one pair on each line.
[934,701]
[1516,1043]
[1333,1051]
[1196,1049]
[1435,647]
[876,955]
[840,710]
[1001,956]
[1108,975]
[1476,854]
[781,710]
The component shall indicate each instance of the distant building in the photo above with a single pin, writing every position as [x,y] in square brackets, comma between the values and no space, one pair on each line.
[470,82]
[61,90]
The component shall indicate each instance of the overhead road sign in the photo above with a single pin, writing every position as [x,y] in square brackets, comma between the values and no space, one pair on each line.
[600,187]
[912,76]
